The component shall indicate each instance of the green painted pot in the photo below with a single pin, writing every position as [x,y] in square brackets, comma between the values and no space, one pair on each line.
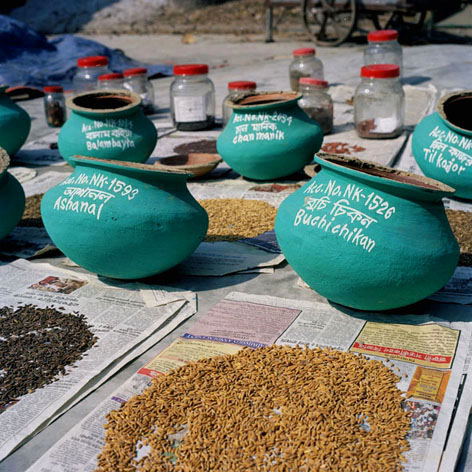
[367,236]
[268,135]
[15,123]
[12,197]
[442,143]
[107,124]
[123,220]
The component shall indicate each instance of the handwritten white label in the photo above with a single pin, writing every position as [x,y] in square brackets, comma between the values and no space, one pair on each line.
[108,134]
[265,127]
[449,151]
[339,198]
[84,194]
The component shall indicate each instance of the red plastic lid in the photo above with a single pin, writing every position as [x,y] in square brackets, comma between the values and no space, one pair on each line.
[382,35]
[92,61]
[135,71]
[304,52]
[113,76]
[312,81]
[53,88]
[242,85]
[380,71]
[191,69]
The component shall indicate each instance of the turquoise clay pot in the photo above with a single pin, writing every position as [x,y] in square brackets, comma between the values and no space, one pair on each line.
[268,135]
[123,220]
[107,124]
[15,123]
[12,197]
[367,236]
[442,143]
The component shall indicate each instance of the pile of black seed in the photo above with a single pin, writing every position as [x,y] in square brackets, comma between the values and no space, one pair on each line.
[36,344]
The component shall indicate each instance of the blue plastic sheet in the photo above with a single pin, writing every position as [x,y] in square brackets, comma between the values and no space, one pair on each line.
[29,58]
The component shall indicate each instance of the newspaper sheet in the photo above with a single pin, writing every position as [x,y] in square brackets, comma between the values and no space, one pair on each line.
[43,182]
[458,289]
[119,317]
[23,174]
[27,242]
[40,152]
[428,354]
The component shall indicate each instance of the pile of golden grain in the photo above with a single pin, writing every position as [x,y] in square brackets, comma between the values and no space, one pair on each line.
[271,409]
[236,218]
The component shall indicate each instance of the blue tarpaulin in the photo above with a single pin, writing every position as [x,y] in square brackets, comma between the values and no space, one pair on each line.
[29,58]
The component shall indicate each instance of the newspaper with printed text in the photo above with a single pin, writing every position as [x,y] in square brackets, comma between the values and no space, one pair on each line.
[427,353]
[124,318]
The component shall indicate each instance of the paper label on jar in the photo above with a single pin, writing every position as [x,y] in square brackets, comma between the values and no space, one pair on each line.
[190,108]
[386,125]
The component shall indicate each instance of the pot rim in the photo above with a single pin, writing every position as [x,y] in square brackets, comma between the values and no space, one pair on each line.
[270,100]
[443,101]
[135,166]
[213,159]
[382,174]
[4,160]
[135,101]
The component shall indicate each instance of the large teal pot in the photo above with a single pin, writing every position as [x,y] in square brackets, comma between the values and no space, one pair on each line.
[12,197]
[367,236]
[123,220]
[442,143]
[107,124]
[268,135]
[15,123]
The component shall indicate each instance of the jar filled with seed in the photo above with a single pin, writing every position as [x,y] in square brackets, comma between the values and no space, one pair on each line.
[55,106]
[379,102]
[383,48]
[110,81]
[235,88]
[89,69]
[304,64]
[137,81]
[316,102]
[192,98]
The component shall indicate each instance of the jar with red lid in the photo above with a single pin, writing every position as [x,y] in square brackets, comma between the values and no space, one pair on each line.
[137,81]
[379,102]
[316,102]
[235,88]
[383,48]
[110,81]
[89,69]
[192,98]
[55,105]
[304,64]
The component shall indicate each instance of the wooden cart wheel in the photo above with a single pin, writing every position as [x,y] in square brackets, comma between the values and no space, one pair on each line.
[329,22]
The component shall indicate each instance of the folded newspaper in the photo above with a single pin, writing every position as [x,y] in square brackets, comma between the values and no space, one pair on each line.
[414,346]
[127,318]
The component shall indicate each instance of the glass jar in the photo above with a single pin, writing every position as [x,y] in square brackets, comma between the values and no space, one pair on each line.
[304,64]
[234,88]
[55,106]
[136,80]
[379,102]
[89,69]
[383,48]
[110,81]
[316,102]
[192,98]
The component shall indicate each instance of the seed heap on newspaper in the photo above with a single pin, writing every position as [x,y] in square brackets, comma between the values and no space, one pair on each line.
[461,224]
[275,408]
[32,213]
[237,218]
[36,344]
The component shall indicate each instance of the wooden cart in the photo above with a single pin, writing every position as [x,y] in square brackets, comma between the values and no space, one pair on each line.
[331,22]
